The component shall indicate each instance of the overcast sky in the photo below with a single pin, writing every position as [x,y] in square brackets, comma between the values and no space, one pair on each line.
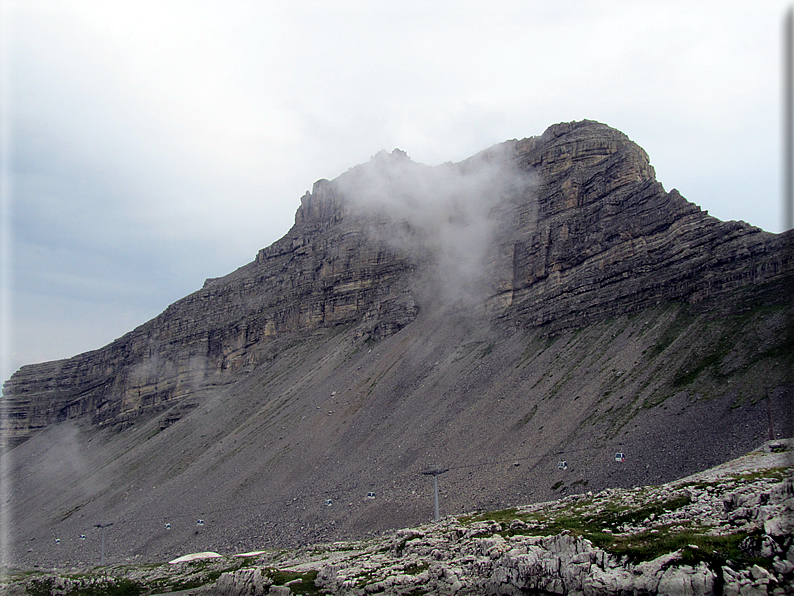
[150,145]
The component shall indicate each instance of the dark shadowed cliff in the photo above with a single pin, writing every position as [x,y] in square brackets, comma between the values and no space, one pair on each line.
[545,300]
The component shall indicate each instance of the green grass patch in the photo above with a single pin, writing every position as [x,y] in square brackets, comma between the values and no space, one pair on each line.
[600,527]
[40,587]
[281,577]
[700,484]
[188,584]
[528,416]
[603,529]
[695,547]
[724,337]
[681,321]
[97,586]
[780,473]
[502,515]
[688,375]
[535,347]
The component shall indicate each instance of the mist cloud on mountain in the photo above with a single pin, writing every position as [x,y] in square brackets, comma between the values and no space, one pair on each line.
[446,215]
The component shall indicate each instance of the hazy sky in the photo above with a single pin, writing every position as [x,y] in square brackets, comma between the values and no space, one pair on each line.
[150,145]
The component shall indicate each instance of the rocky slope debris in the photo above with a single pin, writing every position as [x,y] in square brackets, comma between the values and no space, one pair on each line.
[726,531]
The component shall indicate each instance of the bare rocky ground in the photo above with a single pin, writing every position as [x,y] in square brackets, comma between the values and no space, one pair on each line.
[338,416]
[725,531]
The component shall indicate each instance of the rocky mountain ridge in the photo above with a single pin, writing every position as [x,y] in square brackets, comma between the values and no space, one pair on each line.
[590,313]
[585,233]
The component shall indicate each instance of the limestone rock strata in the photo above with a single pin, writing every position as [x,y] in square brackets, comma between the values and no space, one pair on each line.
[608,239]
[320,275]
[587,233]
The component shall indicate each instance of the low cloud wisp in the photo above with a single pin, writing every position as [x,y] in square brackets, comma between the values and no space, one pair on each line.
[445,215]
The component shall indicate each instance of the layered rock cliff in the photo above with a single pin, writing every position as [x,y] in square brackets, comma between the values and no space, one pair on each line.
[574,228]
[544,300]
[323,273]
[610,240]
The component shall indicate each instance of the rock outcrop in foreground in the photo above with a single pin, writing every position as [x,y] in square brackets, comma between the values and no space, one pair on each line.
[727,531]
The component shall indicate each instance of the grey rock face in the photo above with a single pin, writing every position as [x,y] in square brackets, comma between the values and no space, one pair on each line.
[322,273]
[581,232]
[546,300]
[609,239]
[244,582]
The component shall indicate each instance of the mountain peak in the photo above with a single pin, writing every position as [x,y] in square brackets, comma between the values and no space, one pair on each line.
[545,295]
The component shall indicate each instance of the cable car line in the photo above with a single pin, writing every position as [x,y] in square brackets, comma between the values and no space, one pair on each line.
[349,491]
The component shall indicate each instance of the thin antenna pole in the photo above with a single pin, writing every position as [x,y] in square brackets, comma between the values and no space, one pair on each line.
[102,556]
[434,471]
[788,156]
[769,415]
[435,488]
